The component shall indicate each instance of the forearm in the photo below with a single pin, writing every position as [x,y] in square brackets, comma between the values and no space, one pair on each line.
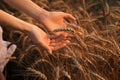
[13,22]
[28,7]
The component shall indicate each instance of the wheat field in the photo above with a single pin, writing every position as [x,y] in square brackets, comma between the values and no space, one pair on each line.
[94,55]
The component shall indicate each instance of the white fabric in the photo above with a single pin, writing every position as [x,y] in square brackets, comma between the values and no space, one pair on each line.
[4,51]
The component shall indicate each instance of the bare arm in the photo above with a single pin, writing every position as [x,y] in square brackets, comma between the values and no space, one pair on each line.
[28,7]
[7,19]
[38,36]
[51,20]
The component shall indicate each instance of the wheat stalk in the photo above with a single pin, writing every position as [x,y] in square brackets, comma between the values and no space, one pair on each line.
[37,73]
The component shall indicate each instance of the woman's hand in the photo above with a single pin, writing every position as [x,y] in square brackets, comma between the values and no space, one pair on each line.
[49,42]
[37,35]
[55,20]
[51,20]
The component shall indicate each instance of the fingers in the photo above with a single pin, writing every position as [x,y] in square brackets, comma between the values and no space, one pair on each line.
[68,16]
[55,36]
[76,27]
[48,48]
[57,45]
[59,39]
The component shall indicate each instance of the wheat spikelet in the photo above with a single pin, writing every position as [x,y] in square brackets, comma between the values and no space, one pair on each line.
[43,61]
[43,4]
[98,57]
[92,5]
[80,67]
[62,6]
[94,57]
[102,48]
[70,51]
[98,38]
[105,40]
[30,47]
[81,42]
[24,41]
[97,75]
[57,73]
[64,73]
[31,55]
[91,65]
[45,67]
[115,12]
[116,45]
[69,30]
[36,73]
[20,57]
[11,58]
[74,44]
[14,34]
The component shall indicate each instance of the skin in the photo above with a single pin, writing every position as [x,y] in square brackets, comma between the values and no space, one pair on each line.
[38,36]
[51,20]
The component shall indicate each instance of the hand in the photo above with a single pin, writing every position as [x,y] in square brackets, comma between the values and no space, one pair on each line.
[6,51]
[55,20]
[49,42]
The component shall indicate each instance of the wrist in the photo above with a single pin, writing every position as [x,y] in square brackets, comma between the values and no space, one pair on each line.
[26,27]
[30,28]
[44,19]
[40,14]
